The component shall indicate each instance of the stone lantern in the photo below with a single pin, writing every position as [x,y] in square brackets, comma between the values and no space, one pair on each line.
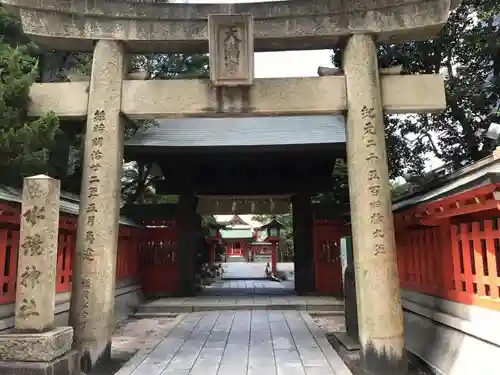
[273,229]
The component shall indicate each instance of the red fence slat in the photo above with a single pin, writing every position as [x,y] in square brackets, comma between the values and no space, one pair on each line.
[454,262]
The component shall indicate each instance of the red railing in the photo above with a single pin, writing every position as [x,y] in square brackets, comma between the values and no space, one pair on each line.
[127,264]
[459,262]
[127,260]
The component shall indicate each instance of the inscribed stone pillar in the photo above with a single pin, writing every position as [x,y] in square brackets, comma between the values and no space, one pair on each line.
[36,267]
[377,286]
[349,281]
[95,262]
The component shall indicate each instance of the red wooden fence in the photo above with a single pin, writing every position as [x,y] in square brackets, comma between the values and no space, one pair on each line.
[127,264]
[327,262]
[158,258]
[457,262]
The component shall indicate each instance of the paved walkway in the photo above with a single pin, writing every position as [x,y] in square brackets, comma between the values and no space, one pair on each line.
[244,270]
[240,343]
[255,270]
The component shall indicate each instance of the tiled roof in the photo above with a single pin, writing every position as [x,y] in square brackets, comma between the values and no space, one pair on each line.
[463,179]
[247,131]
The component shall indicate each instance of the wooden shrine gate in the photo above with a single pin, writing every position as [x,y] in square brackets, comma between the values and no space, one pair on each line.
[158,256]
[327,263]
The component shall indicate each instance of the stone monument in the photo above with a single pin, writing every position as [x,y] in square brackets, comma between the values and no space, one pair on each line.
[35,344]
[350,338]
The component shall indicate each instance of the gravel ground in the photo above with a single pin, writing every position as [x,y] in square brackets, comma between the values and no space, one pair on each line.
[336,323]
[132,335]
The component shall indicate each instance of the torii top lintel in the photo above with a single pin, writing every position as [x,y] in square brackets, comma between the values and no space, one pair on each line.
[147,26]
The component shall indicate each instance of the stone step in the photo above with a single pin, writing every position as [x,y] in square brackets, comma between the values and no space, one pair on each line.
[147,315]
[164,310]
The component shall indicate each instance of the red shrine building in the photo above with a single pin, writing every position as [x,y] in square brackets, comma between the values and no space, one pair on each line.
[244,241]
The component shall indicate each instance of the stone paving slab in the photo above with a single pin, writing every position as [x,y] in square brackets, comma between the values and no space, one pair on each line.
[244,270]
[241,343]
[217,303]
[248,284]
[254,270]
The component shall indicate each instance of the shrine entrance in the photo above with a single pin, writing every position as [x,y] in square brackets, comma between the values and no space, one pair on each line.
[216,171]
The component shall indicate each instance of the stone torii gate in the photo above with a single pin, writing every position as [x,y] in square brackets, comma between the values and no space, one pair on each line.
[113,29]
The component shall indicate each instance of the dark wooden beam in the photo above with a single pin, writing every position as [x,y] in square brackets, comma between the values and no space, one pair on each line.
[263,186]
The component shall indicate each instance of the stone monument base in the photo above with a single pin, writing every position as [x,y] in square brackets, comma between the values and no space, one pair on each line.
[347,341]
[36,347]
[68,364]
[44,353]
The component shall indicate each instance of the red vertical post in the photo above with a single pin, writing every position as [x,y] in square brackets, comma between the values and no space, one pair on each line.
[274,257]
[212,254]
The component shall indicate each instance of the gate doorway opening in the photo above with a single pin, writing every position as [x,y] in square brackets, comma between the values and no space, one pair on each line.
[247,260]
[270,166]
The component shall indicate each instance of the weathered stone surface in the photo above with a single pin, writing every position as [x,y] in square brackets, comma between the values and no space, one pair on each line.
[36,347]
[350,303]
[285,25]
[92,300]
[64,365]
[36,268]
[231,49]
[267,97]
[380,314]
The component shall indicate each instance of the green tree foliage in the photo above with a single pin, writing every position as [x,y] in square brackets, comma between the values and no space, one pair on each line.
[138,179]
[24,142]
[467,53]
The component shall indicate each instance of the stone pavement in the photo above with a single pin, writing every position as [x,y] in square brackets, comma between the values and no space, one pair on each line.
[244,270]
[256,270]
[241,343]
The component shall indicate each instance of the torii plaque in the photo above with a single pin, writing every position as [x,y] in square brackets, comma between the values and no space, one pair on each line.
[231,49]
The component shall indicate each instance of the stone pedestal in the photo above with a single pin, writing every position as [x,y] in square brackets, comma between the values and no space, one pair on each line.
[35,346]
[93,293]
[67,364]
[380,314]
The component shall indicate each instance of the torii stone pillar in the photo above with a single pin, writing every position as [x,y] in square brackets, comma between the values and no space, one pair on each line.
[380,316]
[94,267]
